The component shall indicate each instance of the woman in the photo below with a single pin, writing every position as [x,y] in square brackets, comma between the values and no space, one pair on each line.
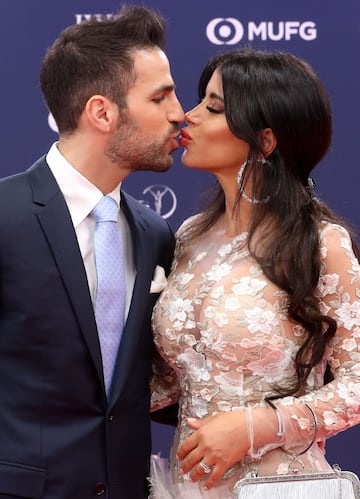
[265,286]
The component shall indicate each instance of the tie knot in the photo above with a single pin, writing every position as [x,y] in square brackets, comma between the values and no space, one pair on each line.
[106,210]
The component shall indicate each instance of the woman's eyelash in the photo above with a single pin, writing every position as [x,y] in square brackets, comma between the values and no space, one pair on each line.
[213,110]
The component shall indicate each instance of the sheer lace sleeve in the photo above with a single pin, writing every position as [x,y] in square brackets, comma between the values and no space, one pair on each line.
[337,404]
[164,385]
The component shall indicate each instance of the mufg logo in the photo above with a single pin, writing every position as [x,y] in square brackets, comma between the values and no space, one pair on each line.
[230,31]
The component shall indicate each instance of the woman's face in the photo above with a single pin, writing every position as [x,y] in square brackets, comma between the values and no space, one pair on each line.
[209,143]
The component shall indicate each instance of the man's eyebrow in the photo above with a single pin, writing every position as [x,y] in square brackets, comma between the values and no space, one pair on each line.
[164,88]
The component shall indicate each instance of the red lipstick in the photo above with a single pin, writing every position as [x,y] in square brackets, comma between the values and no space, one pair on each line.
[185,137]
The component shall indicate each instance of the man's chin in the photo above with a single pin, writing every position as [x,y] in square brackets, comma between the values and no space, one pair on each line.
[158,167]
[164,167]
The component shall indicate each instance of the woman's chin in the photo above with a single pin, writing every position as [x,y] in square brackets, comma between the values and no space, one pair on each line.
[185,158]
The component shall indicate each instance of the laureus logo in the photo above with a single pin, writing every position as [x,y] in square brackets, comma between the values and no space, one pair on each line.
[161,198]
[52,123]
[85,17]
[230,31]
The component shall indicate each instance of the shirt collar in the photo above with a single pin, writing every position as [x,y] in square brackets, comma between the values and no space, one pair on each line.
[80,194]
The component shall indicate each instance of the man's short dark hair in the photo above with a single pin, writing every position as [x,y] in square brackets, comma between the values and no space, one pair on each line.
[96,57]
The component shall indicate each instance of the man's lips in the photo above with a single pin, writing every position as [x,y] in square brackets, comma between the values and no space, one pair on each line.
[185,137]
[174,144]
[174,140]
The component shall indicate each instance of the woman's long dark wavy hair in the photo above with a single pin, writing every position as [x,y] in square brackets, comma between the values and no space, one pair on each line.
[280,91]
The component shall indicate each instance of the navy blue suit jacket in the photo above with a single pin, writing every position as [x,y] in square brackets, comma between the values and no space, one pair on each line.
[59,438]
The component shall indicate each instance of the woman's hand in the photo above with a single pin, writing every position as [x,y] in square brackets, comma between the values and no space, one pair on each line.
[219,442]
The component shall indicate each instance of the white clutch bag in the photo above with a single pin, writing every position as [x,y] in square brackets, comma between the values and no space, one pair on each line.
[332,485]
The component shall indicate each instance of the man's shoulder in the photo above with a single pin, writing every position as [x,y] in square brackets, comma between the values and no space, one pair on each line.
[139,209]
[19,177]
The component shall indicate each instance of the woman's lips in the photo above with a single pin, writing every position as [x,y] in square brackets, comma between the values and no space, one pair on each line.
[184,137]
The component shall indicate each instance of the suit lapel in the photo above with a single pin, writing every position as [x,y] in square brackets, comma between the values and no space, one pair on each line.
[55,220]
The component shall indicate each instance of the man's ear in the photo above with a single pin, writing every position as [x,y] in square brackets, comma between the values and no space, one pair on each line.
[268,141]
[101,112]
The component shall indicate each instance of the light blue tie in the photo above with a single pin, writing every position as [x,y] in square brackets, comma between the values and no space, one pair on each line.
[111,290]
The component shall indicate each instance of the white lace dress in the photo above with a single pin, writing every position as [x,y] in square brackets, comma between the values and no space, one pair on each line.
[223,327]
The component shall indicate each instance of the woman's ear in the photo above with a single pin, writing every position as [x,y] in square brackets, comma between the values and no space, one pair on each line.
[268,141]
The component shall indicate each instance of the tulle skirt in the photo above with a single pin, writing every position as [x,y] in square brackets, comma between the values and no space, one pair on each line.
[163,486]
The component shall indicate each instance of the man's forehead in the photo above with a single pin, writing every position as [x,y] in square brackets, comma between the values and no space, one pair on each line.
[149,56]
[152,67]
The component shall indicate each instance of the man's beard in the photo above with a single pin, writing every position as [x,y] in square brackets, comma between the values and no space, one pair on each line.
[128,148]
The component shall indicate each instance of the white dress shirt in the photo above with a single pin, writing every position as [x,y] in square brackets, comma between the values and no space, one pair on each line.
[81,197]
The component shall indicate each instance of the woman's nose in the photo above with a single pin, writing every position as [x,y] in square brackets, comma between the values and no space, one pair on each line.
[192,114]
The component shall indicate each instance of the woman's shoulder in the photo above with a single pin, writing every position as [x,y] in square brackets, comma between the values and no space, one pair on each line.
[334,230]
[335,239]
[187,226]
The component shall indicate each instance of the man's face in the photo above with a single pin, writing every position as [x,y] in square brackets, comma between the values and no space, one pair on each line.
[147,129]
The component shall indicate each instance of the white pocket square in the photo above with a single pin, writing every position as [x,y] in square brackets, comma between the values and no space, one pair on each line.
[159,280]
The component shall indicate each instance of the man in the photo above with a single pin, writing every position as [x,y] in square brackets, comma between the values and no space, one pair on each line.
[63,433]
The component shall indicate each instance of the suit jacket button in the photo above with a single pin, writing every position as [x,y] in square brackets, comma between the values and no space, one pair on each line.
[99,489]
[110,418]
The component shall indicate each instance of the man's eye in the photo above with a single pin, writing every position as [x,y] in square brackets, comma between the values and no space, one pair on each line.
[159,99]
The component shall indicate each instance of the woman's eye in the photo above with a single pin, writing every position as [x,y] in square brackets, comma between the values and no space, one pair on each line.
[214,110]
